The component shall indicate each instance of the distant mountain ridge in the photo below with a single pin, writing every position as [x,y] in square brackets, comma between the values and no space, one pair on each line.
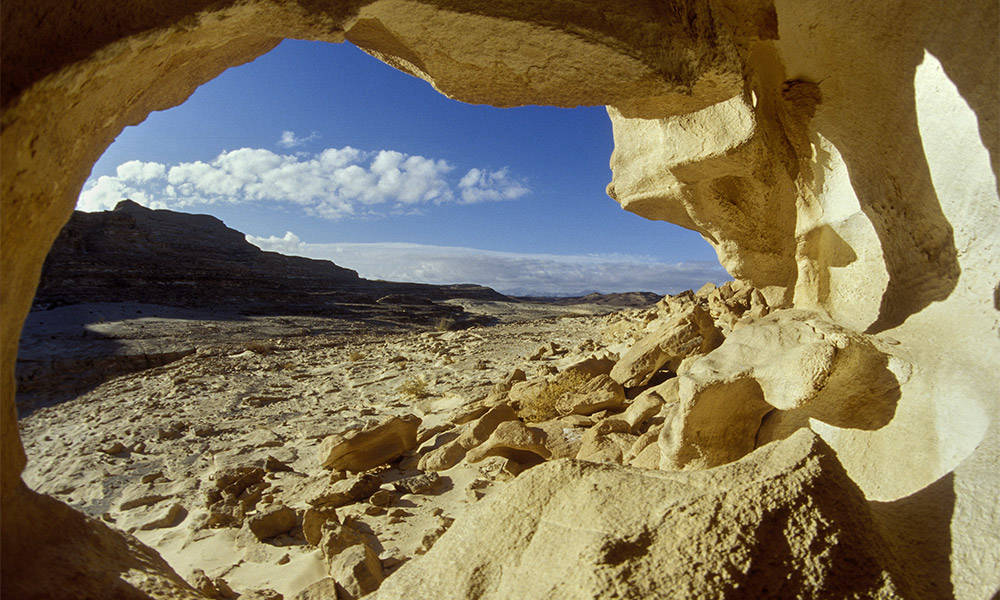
[136,254]
[619,299]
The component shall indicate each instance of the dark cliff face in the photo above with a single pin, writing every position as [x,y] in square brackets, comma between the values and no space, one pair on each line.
[135,254]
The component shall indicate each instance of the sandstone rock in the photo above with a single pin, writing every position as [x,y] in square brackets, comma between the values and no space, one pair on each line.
[596,394]
[357,571]
[577,420]
[262,594]
[791,360]
[424,483]
[443,458]
[170,516]
[382,498]
[235,480]
[272,521]
[592,366]
[561,440]
[689,332]
[640,444]
[426,433]
[465,416]
[172,431]
[472,435]
[524,392]
[337,537]
[324,589]
[513,440]
[138,497]
[514,376]
[647,458]
[363,450]
[607,441]
[215,589]
[479,432]
[273,465]
[643,408]
[313,520]
[705,290]
[570,512]
[549,350]
[345,491]
[114,448]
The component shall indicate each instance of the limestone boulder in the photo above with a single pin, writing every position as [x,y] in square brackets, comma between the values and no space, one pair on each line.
[345,491]
[592,366]
[169,516]
[442,458]
[646,406]
[561,439]
[313,520]
[272,521]
[792,524]
[357,571]
[792,362]
[596,394]
[607,441]
[337,537]
[324,589]
[472,434]
[690,331]
[513,440]
[370,447]
[425,483]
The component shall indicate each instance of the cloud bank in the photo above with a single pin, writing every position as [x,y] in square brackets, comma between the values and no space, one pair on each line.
[507,272]
[335,183]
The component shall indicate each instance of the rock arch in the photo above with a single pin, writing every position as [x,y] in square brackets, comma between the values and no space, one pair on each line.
[819,160]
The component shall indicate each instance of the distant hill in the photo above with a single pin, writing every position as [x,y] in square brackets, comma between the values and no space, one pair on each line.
[136,254]
[622,300]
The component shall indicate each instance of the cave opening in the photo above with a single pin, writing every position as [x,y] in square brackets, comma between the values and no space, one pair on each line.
[141,377]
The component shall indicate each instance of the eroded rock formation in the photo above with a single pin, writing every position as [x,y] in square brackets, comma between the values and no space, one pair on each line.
[841,157]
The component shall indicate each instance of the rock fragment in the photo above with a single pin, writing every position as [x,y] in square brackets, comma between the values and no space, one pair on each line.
[513,440]
[692,331]
[168,517]
[357,571]
[324,589]
[424,483]
[370,447]
[272,521]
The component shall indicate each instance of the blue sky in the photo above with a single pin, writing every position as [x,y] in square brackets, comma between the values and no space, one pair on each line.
[321,150]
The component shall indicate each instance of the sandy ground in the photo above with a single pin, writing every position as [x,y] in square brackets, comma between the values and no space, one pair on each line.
[246,389]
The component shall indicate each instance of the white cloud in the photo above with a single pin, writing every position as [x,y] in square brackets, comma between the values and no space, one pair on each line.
[508,272]
[290,140]
[105,192]
[482,186]
[140,172]
[335,183]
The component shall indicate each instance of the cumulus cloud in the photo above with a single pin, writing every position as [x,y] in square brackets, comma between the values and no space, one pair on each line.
[482,186]
[334,184]
[289,139]
[508,272]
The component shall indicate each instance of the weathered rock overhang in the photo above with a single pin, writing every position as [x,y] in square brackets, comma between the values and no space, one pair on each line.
[842,158]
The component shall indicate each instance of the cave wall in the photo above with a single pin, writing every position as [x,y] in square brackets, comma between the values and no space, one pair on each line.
[842,158]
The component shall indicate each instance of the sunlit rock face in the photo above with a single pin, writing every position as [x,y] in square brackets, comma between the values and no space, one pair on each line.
[841,157]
